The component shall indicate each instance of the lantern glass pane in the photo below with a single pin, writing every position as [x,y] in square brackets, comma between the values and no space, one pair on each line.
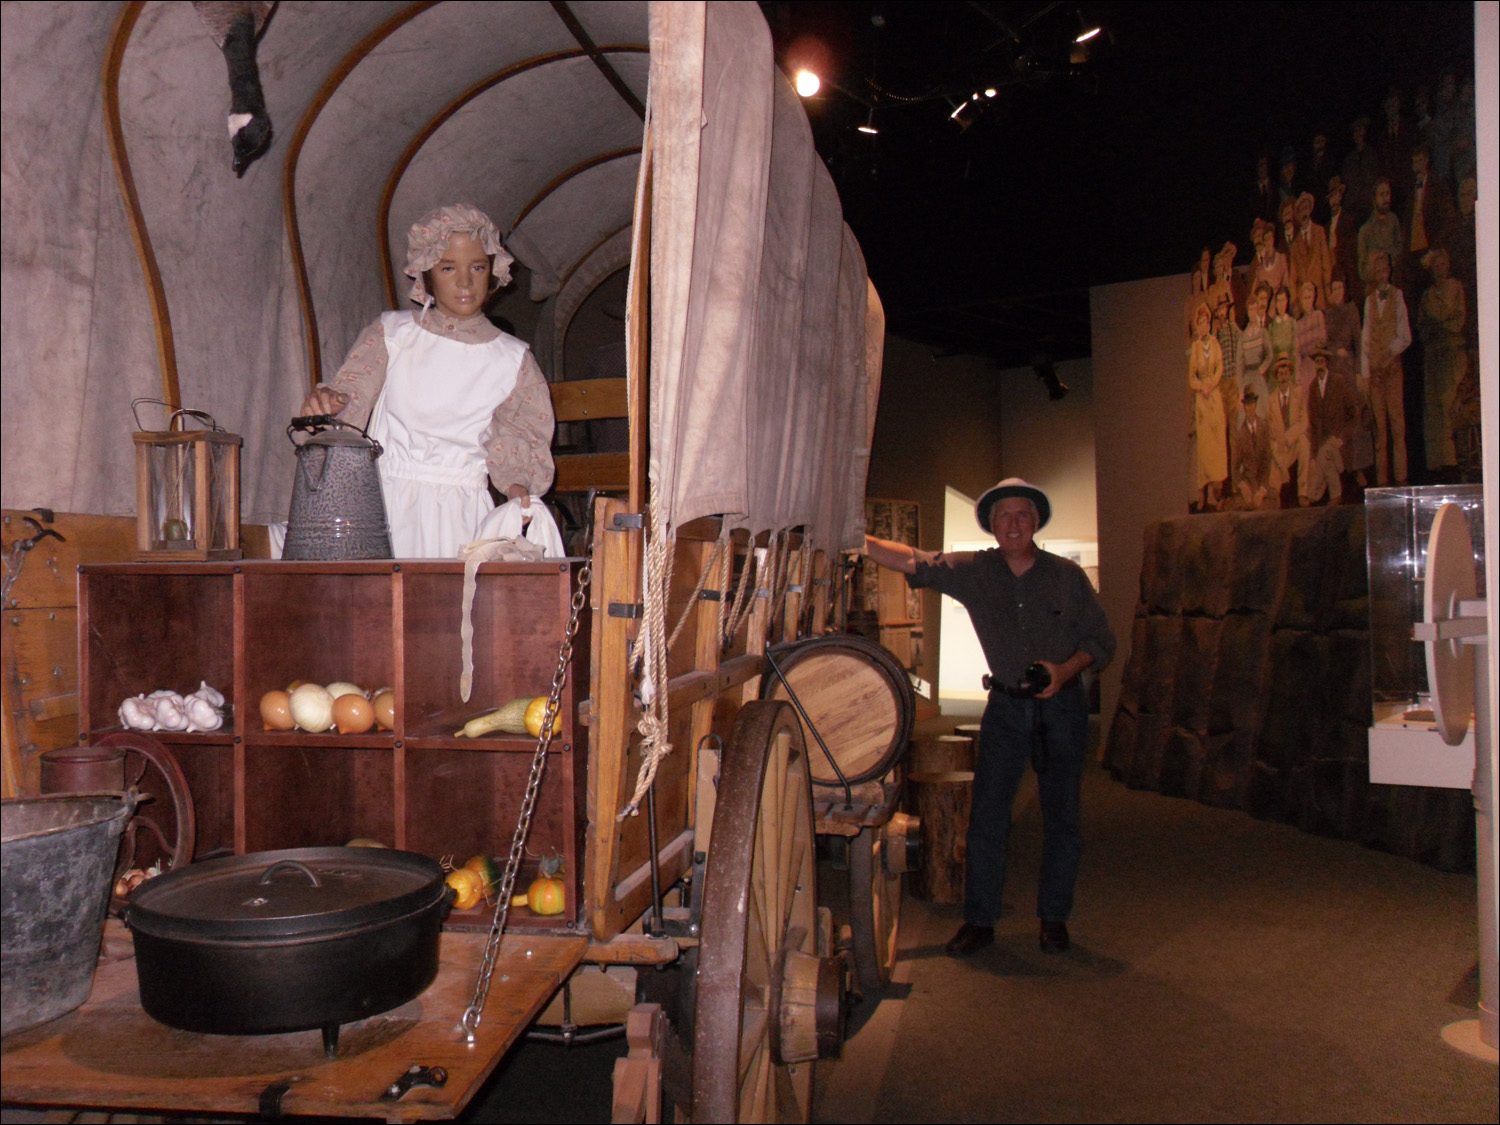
[219,478]
[172,491]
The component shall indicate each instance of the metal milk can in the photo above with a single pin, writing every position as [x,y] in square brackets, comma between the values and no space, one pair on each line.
[338,510]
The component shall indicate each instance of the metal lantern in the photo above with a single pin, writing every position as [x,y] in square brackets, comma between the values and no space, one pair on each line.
[187,490]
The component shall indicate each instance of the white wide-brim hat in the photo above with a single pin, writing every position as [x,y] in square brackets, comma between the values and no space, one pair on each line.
[1013,486]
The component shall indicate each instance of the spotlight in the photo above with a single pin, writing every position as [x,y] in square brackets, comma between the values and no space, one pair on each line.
[807,83]
[869,126]
[1088,34]
[1047,373]
[961,107]
[990,92]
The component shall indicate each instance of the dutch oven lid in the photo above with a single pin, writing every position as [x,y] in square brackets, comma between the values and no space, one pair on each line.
[293,893]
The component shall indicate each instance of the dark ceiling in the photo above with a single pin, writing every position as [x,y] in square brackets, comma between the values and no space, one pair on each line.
[1080,171]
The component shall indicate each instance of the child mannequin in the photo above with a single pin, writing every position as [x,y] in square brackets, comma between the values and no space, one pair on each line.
[446,393]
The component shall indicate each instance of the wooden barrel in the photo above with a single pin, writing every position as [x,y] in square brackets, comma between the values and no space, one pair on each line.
[857,696]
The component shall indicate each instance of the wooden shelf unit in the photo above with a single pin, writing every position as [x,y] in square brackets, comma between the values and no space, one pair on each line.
[251,627]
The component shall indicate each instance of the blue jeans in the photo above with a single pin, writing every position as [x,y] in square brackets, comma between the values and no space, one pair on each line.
[1005,749]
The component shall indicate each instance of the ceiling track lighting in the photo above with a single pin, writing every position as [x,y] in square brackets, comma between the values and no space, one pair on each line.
[1086,30]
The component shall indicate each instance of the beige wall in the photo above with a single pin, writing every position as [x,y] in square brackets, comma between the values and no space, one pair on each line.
[1051,444]
[938,424]
[1141,445]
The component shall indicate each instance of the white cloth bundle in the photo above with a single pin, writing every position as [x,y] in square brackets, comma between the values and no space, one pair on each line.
[502,538]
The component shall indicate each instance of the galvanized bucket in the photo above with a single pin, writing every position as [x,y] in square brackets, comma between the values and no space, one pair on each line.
[56,863]
[338,510]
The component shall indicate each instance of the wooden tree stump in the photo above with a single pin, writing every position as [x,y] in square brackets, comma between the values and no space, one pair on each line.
[948,753]
[942,802]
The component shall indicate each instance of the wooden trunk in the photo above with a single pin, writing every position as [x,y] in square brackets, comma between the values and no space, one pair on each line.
[941,801]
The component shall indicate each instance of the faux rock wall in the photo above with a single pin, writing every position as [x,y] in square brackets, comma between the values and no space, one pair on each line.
[1248,683]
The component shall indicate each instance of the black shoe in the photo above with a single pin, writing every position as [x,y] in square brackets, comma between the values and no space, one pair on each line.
[971,938]
[1054,937]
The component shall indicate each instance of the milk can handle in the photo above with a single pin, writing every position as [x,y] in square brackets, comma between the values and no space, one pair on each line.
[312,423]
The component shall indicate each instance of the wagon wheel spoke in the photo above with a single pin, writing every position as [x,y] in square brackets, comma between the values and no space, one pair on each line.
[151,767]
[874,910]
[759,910]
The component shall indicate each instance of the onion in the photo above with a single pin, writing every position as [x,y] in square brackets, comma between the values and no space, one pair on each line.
[384,702]
[276,710]
[352,714]
[342,688]
[312,708]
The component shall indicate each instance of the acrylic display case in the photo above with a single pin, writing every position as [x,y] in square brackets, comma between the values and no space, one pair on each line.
[1405,746]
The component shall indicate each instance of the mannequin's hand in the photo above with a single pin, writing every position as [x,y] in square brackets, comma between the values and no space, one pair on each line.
[324,400]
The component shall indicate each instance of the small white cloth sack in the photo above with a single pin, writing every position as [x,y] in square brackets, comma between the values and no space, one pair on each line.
[508,521]
[502,538]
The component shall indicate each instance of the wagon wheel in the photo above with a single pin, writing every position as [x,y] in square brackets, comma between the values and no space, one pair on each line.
[874,910]
[765,1004]
[167,828]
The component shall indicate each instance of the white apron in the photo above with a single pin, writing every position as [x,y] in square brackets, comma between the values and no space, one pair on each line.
[436,407]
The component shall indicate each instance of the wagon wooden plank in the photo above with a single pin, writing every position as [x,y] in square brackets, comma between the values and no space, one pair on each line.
[111,1054]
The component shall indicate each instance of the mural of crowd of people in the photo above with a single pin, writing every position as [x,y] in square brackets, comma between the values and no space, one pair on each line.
[1344,352]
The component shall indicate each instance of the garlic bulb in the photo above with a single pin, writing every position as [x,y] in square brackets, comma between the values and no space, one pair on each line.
[136,713]
[213,695]
[202,715]
[312,708]
[171,712]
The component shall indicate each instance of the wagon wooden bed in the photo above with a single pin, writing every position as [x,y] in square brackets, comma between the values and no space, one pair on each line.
[679,800]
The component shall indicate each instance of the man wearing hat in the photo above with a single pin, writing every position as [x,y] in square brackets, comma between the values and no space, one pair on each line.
[1251,466]
[1040,625]
[1287,415]
[1332,413]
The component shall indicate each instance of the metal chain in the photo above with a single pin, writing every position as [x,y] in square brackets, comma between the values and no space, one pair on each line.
[475,1011]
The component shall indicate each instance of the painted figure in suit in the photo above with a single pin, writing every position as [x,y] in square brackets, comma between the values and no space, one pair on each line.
[1286,414]
[1341,318]
[1429,216]
[1361,169]
[1381,234]
[1343,234]
[1308,255]
[1440,323]
[1252,456]
[1332,414]
[1387,333]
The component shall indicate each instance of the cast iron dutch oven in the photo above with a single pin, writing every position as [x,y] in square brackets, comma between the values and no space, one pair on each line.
[287,940]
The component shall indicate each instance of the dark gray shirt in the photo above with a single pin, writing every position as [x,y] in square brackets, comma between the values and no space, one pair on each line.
[1048,613]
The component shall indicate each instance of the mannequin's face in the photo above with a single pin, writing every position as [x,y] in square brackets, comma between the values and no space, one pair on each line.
[461,277]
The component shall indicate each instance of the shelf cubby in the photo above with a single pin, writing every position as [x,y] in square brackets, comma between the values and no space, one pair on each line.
[251,627]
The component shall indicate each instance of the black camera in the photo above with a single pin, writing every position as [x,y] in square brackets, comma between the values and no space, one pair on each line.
[1035,680]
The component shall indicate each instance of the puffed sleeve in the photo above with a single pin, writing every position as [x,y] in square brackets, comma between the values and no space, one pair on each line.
[518,443]
[362,375]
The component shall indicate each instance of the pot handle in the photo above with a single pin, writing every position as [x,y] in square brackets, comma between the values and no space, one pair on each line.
[293,865]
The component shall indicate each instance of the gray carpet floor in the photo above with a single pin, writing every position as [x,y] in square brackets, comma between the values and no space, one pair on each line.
[1223,969]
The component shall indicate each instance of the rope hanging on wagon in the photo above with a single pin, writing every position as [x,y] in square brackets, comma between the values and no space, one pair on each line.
[653,725]
[736,613]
